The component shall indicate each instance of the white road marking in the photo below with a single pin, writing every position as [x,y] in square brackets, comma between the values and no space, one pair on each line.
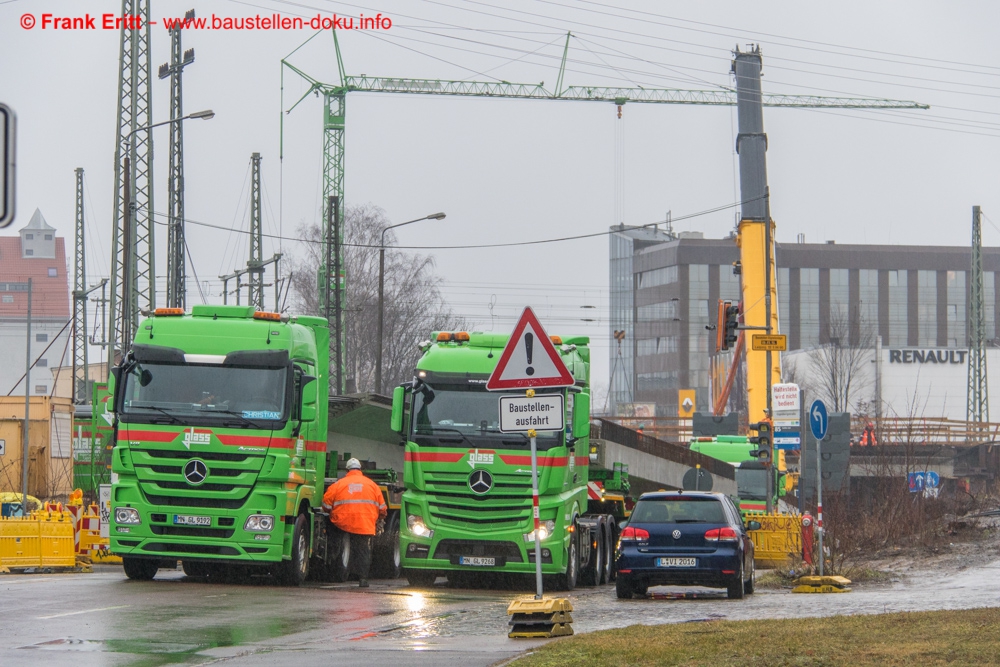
[83,611]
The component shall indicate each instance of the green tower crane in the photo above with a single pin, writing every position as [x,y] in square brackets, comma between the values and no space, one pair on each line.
[334,126]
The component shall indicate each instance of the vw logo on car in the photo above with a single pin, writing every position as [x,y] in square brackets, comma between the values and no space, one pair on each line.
[480,481]
[676,534]
[195,472]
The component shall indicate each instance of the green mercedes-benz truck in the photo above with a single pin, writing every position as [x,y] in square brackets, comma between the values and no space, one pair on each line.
[467,503]
[220,425]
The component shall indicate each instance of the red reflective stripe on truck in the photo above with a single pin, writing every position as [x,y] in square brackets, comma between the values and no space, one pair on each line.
[434,457]
[520,460]
[251,440]
[148,436]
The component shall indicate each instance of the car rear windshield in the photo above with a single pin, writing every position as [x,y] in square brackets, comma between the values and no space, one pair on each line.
[677,510]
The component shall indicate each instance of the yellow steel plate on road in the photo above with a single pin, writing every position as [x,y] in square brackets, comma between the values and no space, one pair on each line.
[769,342]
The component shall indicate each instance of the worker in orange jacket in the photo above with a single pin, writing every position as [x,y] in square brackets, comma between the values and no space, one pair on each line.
[356,505]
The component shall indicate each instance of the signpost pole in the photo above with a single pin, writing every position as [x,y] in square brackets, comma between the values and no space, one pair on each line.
[819,500]
[534,511]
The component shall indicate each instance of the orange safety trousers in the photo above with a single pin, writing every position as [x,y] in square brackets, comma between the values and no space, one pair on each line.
[357,503]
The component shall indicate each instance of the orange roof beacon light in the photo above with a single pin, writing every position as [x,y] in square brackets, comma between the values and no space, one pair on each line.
[444,336]
[161,312]
[264,315]
[462,336]
[556,340]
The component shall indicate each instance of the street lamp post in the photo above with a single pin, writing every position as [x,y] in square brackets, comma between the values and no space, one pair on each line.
[128,255]
[381,289]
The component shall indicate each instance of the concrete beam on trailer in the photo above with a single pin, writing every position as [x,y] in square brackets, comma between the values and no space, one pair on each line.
[655,464]
[359,424]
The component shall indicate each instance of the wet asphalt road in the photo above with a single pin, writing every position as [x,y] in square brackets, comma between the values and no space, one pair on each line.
[104,619]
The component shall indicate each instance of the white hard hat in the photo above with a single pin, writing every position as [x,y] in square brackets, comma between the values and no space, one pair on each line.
[354,464]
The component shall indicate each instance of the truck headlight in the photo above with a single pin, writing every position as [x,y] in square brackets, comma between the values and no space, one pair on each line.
[545,529]
[127,515]
[417,527]
[259,523]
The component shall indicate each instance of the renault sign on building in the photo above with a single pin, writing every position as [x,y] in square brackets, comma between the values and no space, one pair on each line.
[927,382]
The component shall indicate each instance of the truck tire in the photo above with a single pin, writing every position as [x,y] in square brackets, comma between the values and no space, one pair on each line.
[591,575]
[342,561]
[293,572]
[608,573]
[567,580]
[421,578]
[385,560]
[140,569]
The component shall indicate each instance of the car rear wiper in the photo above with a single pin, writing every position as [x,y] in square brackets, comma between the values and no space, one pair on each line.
[688,521]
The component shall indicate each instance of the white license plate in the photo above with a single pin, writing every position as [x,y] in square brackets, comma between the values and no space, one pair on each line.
[477,560]
[188,520]
[676,562]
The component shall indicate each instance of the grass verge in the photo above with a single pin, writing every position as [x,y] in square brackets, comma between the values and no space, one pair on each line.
[966,637]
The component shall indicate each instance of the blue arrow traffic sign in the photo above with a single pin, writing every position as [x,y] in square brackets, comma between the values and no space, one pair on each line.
[818,421]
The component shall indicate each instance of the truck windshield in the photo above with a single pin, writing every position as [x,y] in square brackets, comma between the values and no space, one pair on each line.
[464,415]
[210,392]
[751,484]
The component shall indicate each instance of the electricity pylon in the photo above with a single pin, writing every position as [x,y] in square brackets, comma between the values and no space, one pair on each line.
[176,266]
[81,369]
[978,400]
[133,278]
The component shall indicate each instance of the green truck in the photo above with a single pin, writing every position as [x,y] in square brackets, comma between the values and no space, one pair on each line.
[467,503]
[92,444]
[220,461]
[751,474]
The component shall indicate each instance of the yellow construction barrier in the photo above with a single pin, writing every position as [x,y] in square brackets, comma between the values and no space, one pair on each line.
[779,539]
[42,540]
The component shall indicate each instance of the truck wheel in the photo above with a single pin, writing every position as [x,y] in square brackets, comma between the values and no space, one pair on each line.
[293,572]
[734,591]
[595,568]
[567,580]
[421,578]
[342,562]
[385,560]
[140,569]
[607,574]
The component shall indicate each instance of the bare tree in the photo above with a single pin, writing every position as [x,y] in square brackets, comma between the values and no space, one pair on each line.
[840,369]
[412,298]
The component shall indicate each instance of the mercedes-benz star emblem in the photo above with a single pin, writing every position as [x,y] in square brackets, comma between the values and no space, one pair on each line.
[195,472]
[676,534]
[480,481]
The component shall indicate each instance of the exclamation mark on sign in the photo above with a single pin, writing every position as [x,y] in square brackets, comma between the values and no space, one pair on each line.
[528,343]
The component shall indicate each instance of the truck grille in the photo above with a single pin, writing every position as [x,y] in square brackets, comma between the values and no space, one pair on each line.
[192,531]
[231,476]
[507,505]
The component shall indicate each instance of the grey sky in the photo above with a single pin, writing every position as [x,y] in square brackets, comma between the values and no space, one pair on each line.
[512,170]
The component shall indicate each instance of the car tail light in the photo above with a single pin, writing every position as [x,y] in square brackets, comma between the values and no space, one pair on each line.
[726,534]
[631,534]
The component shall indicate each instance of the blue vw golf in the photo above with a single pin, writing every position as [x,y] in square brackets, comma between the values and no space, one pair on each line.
[687,539]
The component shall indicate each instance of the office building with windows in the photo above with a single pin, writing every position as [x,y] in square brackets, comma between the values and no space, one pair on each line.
[911,296]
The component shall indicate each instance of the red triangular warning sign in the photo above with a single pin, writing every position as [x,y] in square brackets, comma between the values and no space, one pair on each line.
[529,359]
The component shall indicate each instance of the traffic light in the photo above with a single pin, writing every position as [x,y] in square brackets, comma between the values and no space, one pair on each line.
[720,326]
[763,440]
[728,323]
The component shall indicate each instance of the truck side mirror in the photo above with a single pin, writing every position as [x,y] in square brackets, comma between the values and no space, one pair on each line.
[307,389]
[581,415]
[398,399]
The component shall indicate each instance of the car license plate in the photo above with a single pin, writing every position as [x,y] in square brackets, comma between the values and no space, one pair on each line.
[676,562]
[477,560]
[188,520]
